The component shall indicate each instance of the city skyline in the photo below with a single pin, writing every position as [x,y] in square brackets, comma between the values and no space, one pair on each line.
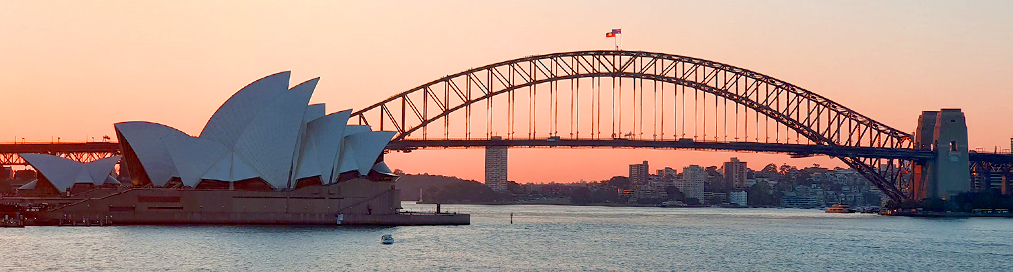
[172,63]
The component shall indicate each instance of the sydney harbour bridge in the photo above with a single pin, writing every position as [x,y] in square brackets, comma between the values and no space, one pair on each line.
[633,99]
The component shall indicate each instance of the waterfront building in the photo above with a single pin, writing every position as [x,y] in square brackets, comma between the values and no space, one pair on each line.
[738,198]
[692,182]
[714,197]
[496,167]
[639,174]
[735,173]
[266,156]
[795,200]
[265,137]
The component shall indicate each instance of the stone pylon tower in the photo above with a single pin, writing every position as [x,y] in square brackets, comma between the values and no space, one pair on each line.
[496,167]
[945,133]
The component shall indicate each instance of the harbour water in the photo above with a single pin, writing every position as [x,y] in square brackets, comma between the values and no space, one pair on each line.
[542,238]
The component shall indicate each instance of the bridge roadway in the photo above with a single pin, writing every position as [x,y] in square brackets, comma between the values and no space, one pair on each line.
[795,150]
[84,152]
[92,150]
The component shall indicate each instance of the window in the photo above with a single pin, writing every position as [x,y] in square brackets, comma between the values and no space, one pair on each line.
[953,145]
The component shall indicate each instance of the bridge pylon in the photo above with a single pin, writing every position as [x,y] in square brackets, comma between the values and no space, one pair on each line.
[945,133]
[496,167]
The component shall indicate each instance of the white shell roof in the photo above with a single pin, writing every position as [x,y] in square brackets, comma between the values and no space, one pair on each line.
[145,139]
[29,186]
[346,159]
[265,130]
[300,169]
[64,173]
[268,143]
[326,136]
[100,169]
[368,146]
[382,168]
[230,168]
[232,118]
[111,180]
[193,156]
[314,111]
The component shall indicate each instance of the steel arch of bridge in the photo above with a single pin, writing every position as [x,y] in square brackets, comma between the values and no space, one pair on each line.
[820,120]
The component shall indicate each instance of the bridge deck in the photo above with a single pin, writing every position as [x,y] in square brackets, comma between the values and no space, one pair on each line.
[793,149]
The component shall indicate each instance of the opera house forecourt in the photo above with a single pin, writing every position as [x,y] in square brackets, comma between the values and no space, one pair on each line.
[266,156]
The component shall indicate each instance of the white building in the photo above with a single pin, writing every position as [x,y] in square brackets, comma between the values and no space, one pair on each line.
[692,182]
[639,174]
[264,136]
[738,197]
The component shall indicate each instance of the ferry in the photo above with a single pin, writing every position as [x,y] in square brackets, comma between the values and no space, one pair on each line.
[839,208]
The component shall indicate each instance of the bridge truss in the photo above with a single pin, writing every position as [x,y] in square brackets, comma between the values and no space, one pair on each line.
[81,152]
[636,96]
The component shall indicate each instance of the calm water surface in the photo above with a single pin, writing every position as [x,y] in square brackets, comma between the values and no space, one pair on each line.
[542,238]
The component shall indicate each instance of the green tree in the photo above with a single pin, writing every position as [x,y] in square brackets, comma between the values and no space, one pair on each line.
[674,193]
[581,196]
[758,195]
[620,182]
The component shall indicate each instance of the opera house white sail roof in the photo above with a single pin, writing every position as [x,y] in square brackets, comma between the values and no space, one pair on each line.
[63,173]
[265,131]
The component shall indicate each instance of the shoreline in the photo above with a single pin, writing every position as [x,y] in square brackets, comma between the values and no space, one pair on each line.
[945,214]
[618,205]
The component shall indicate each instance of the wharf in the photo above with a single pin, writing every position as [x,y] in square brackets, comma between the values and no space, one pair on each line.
[916,213]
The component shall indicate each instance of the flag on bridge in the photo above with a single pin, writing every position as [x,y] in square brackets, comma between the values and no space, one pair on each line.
[612,34]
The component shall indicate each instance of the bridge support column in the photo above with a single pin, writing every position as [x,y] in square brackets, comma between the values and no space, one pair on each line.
[922,182]
[1005,183]
[496,167]
[949,173]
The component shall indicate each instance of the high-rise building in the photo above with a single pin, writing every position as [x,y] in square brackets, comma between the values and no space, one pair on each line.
[691,184]
[667,172]
[735,173]
[639,174]
[496,167]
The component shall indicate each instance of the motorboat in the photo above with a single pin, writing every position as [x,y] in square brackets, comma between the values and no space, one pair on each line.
[839,208]
[386,239]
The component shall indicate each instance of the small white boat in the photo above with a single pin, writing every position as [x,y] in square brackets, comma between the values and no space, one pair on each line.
[386,239]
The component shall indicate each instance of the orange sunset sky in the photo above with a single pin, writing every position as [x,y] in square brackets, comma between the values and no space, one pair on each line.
[71,69]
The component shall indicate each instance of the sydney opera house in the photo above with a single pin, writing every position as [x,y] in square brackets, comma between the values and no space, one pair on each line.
[266,156]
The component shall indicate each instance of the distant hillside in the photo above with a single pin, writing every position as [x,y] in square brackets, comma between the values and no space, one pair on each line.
[410,184]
